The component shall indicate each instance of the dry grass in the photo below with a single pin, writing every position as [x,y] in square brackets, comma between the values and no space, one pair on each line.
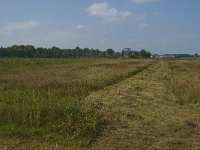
[186,80]
[139,112]
[44,96]
[142,113]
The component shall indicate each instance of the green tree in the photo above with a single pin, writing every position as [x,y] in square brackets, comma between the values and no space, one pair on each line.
[110,53]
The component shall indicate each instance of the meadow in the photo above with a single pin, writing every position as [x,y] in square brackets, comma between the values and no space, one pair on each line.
[91,103]
[45,96]
[186,80]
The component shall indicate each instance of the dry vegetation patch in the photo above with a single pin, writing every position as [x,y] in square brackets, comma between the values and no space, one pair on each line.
[142,113]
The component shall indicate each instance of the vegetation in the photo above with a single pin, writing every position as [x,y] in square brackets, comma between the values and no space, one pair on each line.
[186,80]
[30,51]
[45,96]
[185,55]
[68,99]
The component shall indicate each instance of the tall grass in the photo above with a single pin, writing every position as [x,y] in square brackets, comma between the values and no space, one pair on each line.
[44,96]
[186,80]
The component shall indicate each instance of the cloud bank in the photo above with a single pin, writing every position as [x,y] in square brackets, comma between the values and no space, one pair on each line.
[106,12]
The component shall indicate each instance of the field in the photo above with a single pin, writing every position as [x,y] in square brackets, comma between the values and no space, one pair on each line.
[44,96]
[99,104]
[186,81]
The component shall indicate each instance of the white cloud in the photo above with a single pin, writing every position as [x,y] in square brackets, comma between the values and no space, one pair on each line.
[142,25]
[80,26]
[10,28]
[21,25]
[106,12]
[143,1]
[25,33]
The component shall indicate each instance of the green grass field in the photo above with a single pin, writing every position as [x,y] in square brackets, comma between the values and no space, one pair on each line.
[44,96]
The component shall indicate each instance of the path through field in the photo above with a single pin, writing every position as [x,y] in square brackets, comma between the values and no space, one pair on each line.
[142,114]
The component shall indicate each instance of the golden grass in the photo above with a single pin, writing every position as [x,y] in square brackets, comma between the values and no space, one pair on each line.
[44,96]
[186,80]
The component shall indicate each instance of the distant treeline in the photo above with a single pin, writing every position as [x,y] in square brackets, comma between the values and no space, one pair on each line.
[185,55]
[30,51]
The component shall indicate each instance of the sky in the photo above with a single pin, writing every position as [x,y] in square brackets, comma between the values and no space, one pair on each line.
[159,26]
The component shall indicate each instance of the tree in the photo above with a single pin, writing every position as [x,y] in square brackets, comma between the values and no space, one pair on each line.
[110,53]
[144,54]
[196,55]
[55,52]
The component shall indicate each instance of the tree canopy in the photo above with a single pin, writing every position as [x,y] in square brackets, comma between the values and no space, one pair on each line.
[30,51]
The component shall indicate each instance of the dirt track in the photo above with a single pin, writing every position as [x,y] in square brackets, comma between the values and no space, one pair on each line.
[142,114]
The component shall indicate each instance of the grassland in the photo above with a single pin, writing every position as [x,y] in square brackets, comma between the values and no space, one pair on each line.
[44,97]
[64,99]
[142,112]
[186,80]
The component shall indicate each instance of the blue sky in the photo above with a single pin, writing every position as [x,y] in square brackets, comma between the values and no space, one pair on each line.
[160,26]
